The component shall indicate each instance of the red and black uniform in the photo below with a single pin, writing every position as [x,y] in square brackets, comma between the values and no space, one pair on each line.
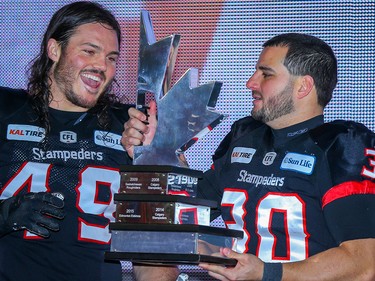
[78,159]
[297,191]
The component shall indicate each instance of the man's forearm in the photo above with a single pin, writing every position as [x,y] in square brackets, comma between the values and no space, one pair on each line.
[352,260]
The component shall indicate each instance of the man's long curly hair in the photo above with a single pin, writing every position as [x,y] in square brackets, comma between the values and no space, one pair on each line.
[61,27]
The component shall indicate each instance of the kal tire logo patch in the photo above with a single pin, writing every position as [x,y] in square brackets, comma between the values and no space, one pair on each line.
[25,133]
[242,155]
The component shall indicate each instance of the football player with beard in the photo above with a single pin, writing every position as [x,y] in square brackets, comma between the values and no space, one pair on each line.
[301,190]
[60,154]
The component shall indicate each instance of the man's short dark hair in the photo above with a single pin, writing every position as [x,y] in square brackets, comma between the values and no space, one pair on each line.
[309,55]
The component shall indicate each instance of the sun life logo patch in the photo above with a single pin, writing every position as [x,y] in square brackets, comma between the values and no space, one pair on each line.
[108,140]
[299,163]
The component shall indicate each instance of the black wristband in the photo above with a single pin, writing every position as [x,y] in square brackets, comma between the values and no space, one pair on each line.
[272,271]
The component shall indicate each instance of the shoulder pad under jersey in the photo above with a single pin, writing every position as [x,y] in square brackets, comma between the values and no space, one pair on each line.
[11,100]
[238,129]
[345,144]
[329,133]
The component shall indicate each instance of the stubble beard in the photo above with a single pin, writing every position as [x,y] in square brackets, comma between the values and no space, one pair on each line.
[276,106]
[64,77]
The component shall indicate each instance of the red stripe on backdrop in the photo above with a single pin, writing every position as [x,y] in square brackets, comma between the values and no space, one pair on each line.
[195,21]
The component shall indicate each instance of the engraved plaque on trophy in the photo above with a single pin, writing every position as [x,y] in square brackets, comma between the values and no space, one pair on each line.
[159,179]
[156,206]
[162,209]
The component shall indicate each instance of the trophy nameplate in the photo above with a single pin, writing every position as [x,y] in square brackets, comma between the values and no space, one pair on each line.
[162,212]
[162,209]
[154,179]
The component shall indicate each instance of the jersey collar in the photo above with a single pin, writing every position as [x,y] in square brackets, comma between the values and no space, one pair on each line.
[285,134]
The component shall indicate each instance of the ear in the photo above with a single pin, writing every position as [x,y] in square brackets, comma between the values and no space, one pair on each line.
[53,49]
[306,85]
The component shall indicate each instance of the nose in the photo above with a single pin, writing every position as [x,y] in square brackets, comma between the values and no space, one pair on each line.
[101,63]
[251,82]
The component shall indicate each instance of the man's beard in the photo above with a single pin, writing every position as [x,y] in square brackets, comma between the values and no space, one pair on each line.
[64,77]
[276,106]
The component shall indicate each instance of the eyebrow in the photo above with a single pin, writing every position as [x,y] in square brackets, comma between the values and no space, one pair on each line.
[266,68]
[99,48]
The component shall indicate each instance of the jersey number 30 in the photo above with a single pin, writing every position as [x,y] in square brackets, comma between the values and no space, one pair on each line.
[292,209]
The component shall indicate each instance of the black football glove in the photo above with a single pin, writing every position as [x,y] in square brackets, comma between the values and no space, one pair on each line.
[36,212]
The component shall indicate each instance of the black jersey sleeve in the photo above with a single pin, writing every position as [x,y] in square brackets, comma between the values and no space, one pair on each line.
[345,144]
[349,205]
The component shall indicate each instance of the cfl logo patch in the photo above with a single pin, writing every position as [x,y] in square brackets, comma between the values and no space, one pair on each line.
[269,158]
[68,137]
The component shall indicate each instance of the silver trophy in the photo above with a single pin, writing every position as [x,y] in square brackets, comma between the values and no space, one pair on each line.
[184,111]
[157,204]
